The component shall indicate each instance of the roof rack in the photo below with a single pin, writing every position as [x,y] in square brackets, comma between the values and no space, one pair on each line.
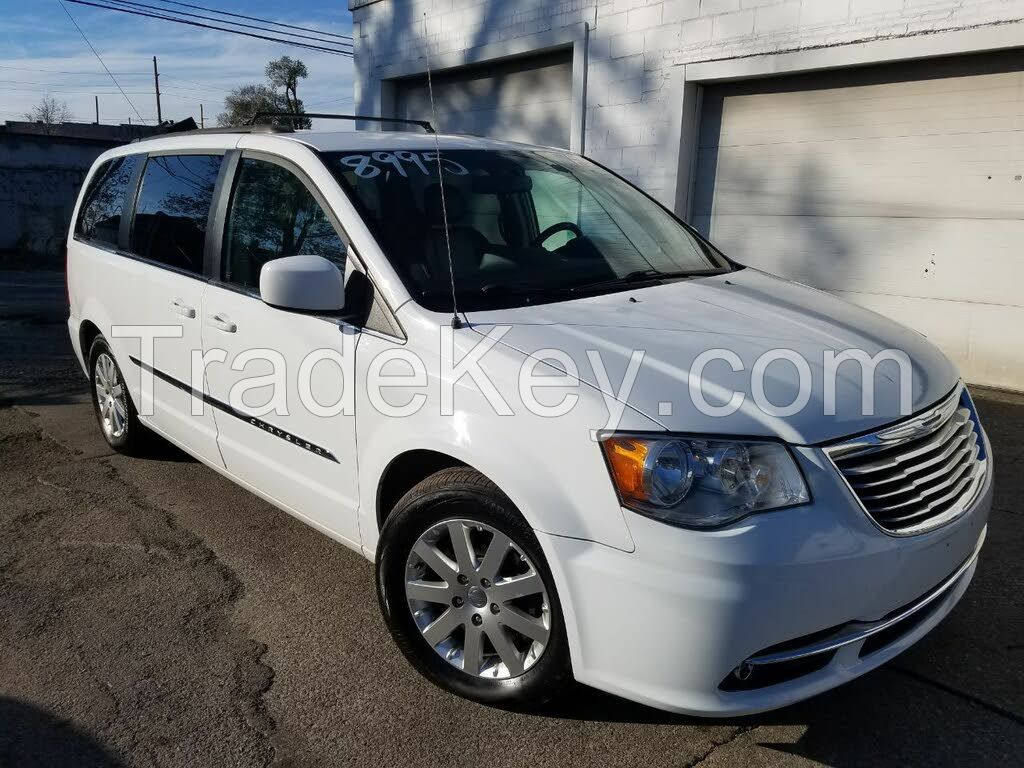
[424,124]
[263,128]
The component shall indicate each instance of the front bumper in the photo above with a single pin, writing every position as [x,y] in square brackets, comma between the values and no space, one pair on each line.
[667,624]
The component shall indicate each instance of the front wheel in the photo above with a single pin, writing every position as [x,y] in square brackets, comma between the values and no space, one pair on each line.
[467,594]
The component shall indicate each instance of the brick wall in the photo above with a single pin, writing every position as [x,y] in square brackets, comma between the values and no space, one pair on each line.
[636,47]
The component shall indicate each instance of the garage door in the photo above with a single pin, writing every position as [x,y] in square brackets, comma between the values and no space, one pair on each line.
[899,189]
[526,99]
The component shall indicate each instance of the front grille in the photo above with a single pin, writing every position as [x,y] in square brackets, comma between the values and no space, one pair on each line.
[921,473]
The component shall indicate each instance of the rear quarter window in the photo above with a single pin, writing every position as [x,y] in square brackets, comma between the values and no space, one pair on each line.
[99,219]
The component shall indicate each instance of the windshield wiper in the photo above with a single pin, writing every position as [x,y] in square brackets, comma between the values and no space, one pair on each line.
[637,276]
[532,289]
[499,289]
[519,289]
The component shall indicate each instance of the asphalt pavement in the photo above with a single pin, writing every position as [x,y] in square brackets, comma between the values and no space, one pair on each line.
[154,614]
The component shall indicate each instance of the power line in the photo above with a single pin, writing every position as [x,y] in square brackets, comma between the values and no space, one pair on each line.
[37,92]
[99,59]
[95,88]
[190,92]
[101,89]
[184,97]
[67,72]
[197,88]
[296,43]
[195,82]
[59,85]
[85,93]
[253,18]
[133,4]
[56,84]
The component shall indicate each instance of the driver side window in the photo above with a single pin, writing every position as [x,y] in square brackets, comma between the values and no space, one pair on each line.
[272,214]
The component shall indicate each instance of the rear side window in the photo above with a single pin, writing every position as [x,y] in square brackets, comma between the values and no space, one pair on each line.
[273,215]
[172,209]
[100,217]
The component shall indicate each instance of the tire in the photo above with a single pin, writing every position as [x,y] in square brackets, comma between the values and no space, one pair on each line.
[462,500]
[116,415]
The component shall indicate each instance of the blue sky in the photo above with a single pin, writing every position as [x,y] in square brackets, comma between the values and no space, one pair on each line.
[42,53]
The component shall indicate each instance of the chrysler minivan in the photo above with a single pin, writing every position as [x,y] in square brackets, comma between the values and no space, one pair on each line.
[578,442]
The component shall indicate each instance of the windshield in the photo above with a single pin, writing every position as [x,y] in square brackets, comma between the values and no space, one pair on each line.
[524,226]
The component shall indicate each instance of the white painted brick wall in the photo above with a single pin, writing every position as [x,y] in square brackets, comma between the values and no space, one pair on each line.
[774,17]
[729,26]
[636,44]
[645,17]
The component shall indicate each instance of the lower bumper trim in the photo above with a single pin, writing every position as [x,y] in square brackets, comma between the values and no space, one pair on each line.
[858,631]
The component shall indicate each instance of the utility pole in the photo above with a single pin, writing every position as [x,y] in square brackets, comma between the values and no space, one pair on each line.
[202,119]
[97,109]
[156,87]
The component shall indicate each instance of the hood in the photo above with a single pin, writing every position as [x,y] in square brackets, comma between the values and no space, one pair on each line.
[747,313]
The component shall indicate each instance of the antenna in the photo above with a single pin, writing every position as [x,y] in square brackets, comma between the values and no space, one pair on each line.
[456,322]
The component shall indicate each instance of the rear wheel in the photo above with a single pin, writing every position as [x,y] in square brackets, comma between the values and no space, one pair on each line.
[115,412]
[467,593]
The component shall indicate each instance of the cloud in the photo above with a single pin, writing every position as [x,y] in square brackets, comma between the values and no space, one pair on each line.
[196,65]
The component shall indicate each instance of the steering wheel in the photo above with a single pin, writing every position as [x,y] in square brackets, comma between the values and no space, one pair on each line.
[554,229]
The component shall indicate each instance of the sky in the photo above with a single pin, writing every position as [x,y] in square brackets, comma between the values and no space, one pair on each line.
[42,53]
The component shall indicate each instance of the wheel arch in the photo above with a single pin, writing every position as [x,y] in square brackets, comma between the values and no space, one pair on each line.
[563,490]
[87,333]
[403,472]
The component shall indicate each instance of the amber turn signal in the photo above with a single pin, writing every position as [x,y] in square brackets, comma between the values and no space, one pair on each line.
[626,459]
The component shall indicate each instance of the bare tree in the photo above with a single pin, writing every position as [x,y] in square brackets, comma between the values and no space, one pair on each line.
[50,112]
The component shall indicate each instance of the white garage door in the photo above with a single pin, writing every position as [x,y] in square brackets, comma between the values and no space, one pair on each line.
[526,99]
[899,189]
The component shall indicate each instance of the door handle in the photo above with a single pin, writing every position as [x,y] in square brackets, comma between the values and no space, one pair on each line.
[183,309]
[221,323]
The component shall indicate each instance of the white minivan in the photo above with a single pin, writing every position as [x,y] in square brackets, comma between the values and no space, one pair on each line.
[578,442]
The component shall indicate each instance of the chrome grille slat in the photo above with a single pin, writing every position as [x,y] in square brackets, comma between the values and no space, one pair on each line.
[925,497]
[920,473]
[943,515]
[957,444]
[949,464]
[937,438]
[961,486]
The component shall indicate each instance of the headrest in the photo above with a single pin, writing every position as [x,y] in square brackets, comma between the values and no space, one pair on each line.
[432,204]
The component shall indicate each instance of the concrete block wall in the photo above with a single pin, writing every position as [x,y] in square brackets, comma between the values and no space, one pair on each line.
[40,178]
[636,49]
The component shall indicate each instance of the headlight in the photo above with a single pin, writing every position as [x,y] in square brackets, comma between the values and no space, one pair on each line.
[702,483]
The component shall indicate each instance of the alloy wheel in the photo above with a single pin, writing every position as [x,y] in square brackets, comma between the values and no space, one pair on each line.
[111,399]
[477,599]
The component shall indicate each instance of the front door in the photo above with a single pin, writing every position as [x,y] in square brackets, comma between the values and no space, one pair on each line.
[276,377]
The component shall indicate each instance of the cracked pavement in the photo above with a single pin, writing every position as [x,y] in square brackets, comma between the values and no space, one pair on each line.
[153,614]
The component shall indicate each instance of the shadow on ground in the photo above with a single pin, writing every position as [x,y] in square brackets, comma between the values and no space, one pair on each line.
[30,737]
[149,609]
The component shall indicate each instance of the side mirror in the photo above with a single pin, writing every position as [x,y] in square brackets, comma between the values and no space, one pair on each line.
[305,283]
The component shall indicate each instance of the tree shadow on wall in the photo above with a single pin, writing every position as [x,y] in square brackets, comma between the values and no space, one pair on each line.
[624,82]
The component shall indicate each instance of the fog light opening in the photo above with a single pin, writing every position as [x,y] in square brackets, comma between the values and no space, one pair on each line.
[743,671]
